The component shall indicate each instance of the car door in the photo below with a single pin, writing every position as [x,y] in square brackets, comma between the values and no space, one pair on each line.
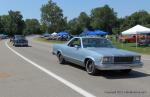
[74,51]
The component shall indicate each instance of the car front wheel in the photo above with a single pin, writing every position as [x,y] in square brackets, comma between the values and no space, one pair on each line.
[90,67]
[61,58]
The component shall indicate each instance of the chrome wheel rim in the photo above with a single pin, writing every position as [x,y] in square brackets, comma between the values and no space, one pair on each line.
[60,58]
[89,66]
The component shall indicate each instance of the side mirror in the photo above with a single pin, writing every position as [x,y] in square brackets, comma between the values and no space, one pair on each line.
[77,46]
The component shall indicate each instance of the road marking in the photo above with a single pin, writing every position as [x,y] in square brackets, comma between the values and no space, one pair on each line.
[67,83]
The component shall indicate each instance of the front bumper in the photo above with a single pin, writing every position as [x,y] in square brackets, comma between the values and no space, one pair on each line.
[21,44]
[119,66]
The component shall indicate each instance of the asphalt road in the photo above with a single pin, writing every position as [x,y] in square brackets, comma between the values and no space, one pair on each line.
[34,72]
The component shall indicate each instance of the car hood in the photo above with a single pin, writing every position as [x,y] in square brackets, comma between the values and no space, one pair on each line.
[113,52]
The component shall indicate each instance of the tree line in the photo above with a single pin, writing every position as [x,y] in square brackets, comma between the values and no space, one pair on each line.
[13,23]
[52,20]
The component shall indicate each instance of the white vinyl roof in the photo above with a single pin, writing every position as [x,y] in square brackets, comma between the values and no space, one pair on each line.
[138,29]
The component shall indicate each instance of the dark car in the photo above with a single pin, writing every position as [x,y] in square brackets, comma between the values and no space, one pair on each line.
[3,36]
[144,42]
[19,40]
[45,35]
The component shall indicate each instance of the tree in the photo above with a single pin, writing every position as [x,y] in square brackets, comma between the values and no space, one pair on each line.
[119,22]
[140,17]
[1,25]
[4,24]
[16,23]
[32,27]
[103,18]
[84,21]
[74,27]
[13,23]
[52,17]
[79,24]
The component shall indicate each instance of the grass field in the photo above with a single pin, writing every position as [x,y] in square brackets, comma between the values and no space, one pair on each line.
[125,46]
[132,47]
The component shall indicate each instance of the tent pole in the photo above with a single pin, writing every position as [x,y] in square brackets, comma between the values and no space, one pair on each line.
[145,37]
[136,40]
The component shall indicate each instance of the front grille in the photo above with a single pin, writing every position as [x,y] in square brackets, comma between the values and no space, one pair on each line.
[21,41]
[125,60]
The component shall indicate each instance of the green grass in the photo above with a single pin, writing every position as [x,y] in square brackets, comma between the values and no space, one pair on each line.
[132,47]
[125,46]
[49,41]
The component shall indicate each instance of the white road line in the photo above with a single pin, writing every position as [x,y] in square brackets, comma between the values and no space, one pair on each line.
[67,83]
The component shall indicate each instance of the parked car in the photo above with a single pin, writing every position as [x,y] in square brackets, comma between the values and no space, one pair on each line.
[3,36]
[19,40]
[45,35]
[128,39]
[132,38]
[144,42]
[95,53]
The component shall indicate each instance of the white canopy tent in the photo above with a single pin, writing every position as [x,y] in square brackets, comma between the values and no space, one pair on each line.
[54,34]
[138,29]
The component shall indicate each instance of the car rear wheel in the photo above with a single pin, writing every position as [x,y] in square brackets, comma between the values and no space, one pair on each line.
[90,67]
[61,58]
[126,71]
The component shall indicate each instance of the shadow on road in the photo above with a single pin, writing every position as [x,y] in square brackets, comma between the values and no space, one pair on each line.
[119,75]
[23,46]
[75,66]
[113,74]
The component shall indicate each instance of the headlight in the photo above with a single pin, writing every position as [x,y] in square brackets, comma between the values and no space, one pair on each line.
[107,59]
[137,58]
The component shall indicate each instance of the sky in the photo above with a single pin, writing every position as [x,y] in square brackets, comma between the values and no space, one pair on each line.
[72,8]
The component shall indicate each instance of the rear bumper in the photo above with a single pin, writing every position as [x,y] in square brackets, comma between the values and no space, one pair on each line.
[119,66]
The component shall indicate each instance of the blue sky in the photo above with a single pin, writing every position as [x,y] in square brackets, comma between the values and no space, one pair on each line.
[72,8]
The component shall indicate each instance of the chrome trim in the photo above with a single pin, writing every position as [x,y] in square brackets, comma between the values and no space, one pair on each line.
[119,66]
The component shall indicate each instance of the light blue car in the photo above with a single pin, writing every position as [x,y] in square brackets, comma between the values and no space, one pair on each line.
[95,53]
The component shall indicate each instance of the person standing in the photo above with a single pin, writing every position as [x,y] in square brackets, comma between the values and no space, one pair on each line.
[117,37]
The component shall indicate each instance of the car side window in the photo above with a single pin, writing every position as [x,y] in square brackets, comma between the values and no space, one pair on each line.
[75,42]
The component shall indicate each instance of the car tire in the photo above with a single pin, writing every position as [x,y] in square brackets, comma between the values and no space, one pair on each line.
[126,71]
[90,67]
[61,58]
[14,45]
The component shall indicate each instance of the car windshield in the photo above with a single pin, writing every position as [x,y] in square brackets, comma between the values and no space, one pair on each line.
[96,42]
[19,37]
